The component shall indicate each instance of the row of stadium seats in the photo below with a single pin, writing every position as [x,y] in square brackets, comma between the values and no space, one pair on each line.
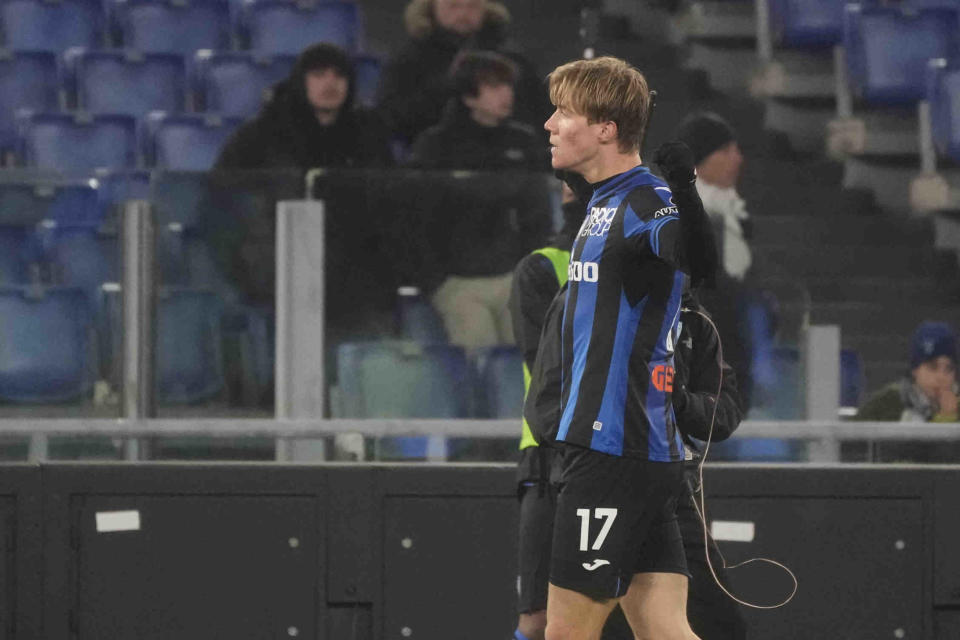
[179,26]
[55,340]
[227,86]
[80,143]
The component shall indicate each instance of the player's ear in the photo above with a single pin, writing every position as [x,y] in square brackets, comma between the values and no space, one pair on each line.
[608,132]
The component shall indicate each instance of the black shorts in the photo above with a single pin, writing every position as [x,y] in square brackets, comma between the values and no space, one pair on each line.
[615,517]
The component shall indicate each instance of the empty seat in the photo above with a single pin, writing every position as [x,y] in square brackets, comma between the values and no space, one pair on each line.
[127,82]
[51,25]
[883,74]
[28,203]
[186,142]
[943,93]
[403,380]
[28,80]
[189,349]
[15,255]
[237,83]
[394,379]
[367,80]
[77,142]
[852,380]
[417,320]
[173,26]
[80,256]
[285,27]
[500,382]
[46,345]
[807,23]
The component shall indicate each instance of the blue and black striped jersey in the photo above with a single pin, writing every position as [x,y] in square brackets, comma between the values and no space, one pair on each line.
[620,322]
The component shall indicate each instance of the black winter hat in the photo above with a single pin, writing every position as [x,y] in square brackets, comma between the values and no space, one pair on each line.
[704,133]
[324,56]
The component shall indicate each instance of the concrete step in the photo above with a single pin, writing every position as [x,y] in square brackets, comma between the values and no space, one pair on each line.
[836,229]
[878,320]
[845,261]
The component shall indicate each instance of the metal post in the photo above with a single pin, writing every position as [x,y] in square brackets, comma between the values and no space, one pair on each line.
[764,37]
[928,155]
[300,383]
[139,314]
[842,86]
[822,373]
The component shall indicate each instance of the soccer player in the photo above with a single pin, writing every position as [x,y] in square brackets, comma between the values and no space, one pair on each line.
[616,537]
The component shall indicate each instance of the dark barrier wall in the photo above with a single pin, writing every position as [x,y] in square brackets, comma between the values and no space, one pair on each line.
[171,551]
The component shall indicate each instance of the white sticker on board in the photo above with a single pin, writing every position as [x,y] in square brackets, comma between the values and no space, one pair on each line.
[108,521]
[730,531]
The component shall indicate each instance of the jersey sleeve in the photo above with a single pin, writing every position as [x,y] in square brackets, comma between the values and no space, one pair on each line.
[533,288]
[651,224]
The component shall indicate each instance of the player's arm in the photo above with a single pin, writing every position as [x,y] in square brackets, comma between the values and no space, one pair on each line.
[696,383]
[691,243]
[533,288]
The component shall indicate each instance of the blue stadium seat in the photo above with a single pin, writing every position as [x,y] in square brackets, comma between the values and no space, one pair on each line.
[403,380]
[48,346]
[807,24]
[127,82]
[116,188]
[173,26]
[883,74]
[500,382]
[80,256]
[28,80]
[186,142]
[15,255]
[189,349]
[235,83]
[367,80]
[77,142]
[852,381]
[417,320]
[286,27]
[943,93]
[48,25]
[71,204]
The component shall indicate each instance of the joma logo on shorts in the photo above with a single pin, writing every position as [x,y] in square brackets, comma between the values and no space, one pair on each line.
[596,564]
[662,378]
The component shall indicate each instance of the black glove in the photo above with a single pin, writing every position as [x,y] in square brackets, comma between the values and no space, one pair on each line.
[699,247]
[675,160]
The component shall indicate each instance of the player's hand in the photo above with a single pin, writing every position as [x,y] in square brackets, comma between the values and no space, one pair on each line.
[577,183]
[675,160]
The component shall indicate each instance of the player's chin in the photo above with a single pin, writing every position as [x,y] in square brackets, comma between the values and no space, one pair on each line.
[557,161]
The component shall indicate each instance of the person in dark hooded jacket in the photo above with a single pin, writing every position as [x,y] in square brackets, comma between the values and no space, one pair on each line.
[415,85]
[311,121]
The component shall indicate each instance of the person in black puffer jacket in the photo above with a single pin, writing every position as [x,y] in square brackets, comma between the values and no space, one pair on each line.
[415,86]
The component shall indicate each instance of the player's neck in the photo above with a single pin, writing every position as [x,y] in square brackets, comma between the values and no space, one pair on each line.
[610,166]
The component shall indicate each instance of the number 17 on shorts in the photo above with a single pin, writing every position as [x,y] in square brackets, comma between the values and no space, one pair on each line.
[606,516]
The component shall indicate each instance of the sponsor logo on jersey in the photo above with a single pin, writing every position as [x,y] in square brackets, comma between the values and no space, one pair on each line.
[662,378]
[598,222]
[666,211]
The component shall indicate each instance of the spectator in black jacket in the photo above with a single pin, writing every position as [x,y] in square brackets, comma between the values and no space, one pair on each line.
[415,85]
[311,121]
[477,131]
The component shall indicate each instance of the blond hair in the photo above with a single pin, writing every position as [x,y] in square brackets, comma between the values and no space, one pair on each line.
[605,89]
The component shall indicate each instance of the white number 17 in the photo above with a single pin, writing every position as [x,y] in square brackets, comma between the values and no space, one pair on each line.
[608,515]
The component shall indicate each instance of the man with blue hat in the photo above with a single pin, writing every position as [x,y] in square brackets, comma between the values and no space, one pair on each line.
[928,393]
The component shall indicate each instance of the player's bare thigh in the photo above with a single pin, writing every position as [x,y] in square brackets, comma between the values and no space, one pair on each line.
[656,606]
[574,616]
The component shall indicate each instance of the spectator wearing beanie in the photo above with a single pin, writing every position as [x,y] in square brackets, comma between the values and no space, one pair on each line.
[928,392]
[718,160]
[311,121]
